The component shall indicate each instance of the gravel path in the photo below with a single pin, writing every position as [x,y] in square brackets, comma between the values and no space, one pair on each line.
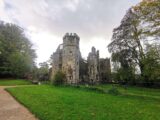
[10,109]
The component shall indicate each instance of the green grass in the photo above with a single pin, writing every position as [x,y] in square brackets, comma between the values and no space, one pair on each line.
[134,91]
[68,103]
[13,82]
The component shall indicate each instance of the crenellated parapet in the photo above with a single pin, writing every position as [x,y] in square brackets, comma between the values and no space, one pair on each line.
[71,39]
[70,61]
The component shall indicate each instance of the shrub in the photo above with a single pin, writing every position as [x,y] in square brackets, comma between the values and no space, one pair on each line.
[59,78]
[90,88]
[114,91]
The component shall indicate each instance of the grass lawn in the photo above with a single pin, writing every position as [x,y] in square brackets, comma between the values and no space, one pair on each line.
[135,91]
[67,103]
[13,82]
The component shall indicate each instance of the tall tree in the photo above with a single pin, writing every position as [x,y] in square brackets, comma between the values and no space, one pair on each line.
[16,53]
[138,28]
[43,71]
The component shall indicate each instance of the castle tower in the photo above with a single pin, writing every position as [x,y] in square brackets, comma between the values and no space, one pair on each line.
[93,66]
[70,58]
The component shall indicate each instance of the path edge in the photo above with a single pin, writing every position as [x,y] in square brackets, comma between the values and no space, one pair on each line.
[22,104]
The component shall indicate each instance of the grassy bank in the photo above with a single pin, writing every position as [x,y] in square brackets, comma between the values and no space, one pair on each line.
[68,103]
[147,93]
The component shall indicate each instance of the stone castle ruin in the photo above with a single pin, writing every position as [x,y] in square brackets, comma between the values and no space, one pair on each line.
[67,59]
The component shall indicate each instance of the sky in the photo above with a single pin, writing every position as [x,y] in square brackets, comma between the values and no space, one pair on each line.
[45,22]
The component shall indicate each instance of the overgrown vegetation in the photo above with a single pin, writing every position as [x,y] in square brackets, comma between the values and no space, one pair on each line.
[41,73]
[113,91]
[59,78]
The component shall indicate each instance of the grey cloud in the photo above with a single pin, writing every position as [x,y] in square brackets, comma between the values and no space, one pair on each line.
[86,17]
[92,20]
[8,6]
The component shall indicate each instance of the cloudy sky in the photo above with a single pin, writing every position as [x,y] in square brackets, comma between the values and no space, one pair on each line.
[46,21]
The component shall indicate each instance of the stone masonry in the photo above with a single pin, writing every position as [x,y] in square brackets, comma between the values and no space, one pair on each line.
[67,59]
[93,66]
[70,55]
[57,61]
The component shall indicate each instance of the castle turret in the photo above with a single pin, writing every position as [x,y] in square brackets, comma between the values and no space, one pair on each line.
[70,61]
[93,66]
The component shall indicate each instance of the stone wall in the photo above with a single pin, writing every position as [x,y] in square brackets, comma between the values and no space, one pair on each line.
[93,66]
[57,61]
[70,55]
[67,59]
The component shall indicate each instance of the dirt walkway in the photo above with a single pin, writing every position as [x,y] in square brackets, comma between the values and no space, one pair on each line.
[10,109]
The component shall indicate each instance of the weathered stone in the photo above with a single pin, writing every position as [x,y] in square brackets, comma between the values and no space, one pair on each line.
[67,59]
[70,55]
[93,66]
[57,61]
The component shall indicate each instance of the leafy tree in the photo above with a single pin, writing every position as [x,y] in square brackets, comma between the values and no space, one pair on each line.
[43,71]
[126,47]
[148,11]
[152,63]
[136,31]
[126,69]
[16,53]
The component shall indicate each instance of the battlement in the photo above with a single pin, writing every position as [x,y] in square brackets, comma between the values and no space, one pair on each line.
[69,35]
[71,39]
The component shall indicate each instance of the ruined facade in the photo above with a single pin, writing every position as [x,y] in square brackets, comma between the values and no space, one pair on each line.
[93,66]
[70,55]
[57,61]
[67,59]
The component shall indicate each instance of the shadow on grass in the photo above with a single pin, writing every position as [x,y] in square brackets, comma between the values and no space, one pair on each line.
[140,97]
[84,88]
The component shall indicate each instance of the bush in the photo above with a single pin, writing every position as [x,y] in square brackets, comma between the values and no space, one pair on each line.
[114,91]
[59,78]
[95,89]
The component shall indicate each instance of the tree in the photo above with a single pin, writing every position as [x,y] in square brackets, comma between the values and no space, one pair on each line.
[152,63]
[137,29]
[125,73]
[126,46]
[148,11]
[43,71]
[16,53]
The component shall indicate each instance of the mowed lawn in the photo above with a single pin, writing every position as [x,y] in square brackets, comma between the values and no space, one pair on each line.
[12,82]
[67,103]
